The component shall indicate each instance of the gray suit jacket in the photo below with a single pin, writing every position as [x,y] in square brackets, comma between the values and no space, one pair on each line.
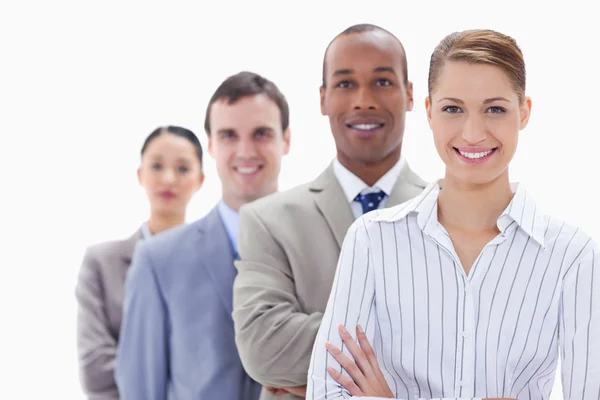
[289,246]
[99,294]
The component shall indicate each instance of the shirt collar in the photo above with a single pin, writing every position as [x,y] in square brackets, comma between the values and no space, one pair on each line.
[352,185]
[231,220]
[522,210]
[146,234]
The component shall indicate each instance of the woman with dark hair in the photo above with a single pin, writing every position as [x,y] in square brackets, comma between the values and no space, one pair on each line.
[170,173]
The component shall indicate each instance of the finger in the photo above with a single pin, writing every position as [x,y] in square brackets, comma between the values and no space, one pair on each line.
[346,382]
[357,353]
[275,391]
[349,365]
[370,355]
[299,391]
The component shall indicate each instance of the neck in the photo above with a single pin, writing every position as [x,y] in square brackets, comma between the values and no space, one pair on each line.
[235,202]
[369,172]
[473,207]
[160,222]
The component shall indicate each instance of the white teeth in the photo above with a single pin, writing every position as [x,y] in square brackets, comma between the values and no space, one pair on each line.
[476,155]
[247,170]
[365,127]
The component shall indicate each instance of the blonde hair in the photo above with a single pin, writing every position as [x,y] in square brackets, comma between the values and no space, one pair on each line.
[480,46]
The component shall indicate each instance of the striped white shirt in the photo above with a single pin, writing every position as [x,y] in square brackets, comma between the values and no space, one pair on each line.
[532,294]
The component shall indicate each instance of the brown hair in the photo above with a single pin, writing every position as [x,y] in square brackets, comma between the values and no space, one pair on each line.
[480,46]
[246,84]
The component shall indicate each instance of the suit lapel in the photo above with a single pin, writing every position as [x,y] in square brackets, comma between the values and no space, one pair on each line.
[127,249]
[218,256]
[128,246]
[331,202]
[401,192]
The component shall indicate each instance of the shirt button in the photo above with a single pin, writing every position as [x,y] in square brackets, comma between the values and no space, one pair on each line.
[464,383]
[465,334]
[468,289]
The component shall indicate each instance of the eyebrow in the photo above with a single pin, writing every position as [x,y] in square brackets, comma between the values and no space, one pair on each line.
[486,101]
[351,71]
[255,129]
[263,128]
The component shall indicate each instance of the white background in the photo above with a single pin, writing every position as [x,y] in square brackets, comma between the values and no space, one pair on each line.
[83,83]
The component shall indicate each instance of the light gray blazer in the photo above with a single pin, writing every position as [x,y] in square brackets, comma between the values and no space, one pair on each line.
[289,246]
[99,294]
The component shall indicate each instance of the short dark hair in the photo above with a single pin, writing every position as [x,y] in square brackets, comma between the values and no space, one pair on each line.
[361,28]
[178,131]
[244,84]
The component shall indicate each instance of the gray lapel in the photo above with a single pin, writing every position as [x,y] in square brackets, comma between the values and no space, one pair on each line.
[217,258]
[332,203]
[408,182]
[128,246]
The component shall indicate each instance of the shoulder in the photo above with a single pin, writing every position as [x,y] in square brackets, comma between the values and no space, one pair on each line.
[105,252]
[107,258]
[165,248]
[280,202]
[563,238]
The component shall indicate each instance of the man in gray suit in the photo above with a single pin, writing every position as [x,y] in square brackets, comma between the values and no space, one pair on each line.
[290,241]
[177,337]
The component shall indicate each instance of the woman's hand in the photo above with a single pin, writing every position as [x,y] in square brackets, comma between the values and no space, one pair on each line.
[367,379]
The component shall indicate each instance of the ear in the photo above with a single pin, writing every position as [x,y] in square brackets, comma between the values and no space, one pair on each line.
[428,109]
[286,141]
[525,113]
[139,175]
[200,180]
[322,95]
[410,100]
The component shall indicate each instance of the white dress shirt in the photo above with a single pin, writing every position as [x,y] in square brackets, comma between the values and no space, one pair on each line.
[353,185]
[532,294]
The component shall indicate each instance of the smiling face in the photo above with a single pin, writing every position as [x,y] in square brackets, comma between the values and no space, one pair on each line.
[247,143]
[366,96]
[476,114]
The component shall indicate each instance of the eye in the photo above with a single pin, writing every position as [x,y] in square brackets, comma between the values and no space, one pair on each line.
[156,166]
[383,82]
[496,110]
[183,169]
[452,109]
[343,84]
[261,133]
[228,135]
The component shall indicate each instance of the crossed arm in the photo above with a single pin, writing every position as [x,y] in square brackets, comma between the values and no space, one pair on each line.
[354,370]
[274,336]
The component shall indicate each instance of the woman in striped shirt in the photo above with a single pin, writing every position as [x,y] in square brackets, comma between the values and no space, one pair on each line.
[470,290]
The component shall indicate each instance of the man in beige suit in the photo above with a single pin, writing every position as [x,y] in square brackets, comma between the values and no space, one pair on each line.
[290,241]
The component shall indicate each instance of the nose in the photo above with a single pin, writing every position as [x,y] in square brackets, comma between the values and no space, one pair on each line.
[246,148]
[364,100]
[168,175]
[474,130]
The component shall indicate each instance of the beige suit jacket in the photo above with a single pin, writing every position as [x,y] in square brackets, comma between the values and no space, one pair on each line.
[99,296]
[289,246]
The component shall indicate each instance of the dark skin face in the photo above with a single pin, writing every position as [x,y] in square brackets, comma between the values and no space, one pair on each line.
[366,99]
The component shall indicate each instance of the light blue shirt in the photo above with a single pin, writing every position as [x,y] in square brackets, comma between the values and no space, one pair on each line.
[231,220]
